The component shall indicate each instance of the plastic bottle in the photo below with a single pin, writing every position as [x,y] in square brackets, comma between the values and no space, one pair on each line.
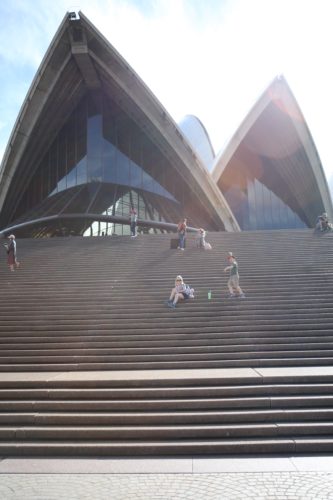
[209,295]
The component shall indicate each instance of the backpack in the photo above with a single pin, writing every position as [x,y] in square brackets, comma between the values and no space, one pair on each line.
[189,291]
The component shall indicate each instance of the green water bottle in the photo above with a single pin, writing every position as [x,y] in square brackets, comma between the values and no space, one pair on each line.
[209,295]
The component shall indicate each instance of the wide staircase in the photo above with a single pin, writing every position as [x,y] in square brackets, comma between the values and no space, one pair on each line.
[93,362]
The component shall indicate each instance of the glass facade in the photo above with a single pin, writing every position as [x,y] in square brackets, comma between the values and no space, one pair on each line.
[257,207]
[101,162]
[121,208]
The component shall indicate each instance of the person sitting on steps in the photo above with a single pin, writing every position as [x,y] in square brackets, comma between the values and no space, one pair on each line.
[322,223]
[181,291]
[201,240]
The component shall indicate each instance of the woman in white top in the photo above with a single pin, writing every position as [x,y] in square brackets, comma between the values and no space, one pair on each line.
[181,291]
[201,238]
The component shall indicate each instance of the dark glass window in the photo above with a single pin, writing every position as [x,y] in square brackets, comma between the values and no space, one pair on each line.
[260,208]
[44,174]
[95,146]
[81,171]
[62,160]
[81,131]
[71,144]
[53,159]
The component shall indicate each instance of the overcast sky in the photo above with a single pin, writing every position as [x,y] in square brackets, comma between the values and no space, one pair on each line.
[210,58]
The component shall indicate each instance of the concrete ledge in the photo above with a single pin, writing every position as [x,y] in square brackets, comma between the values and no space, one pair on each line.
[130,377]
[175,465]
[171,377]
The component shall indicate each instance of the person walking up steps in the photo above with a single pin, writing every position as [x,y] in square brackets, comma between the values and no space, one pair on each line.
[233,282]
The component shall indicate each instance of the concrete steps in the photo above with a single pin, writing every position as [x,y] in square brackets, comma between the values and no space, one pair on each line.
[110,414]
[92,361]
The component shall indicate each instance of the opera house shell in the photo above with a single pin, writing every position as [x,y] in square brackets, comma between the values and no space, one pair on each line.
[91,141]
[270,172]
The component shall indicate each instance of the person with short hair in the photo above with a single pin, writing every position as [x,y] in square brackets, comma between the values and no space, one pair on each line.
[11,253]
[233,282]
[181,291]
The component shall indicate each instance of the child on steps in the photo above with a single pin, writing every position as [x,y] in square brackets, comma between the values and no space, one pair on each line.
[233,282]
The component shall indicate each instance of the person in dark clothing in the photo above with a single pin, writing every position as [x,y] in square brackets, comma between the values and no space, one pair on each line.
[133,219]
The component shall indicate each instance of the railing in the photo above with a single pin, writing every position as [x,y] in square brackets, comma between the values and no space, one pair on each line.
[168,226]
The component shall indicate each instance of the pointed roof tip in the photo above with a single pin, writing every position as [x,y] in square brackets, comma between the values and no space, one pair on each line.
[278,81]
[278,88]
[282,88]
[72,15]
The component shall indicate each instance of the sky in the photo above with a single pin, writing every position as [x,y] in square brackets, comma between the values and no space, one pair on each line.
[209,58]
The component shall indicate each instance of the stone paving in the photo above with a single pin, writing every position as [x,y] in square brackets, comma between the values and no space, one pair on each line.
[225,486]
